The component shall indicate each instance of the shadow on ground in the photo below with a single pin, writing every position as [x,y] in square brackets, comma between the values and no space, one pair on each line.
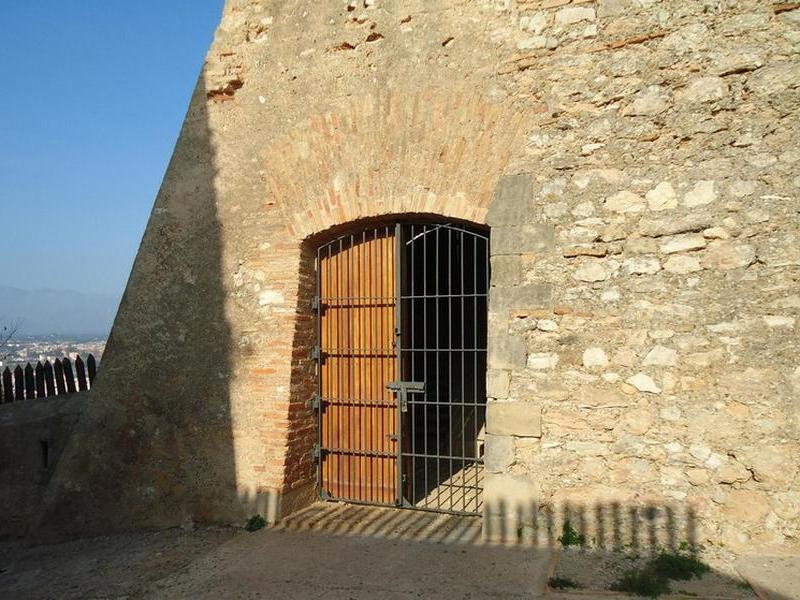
[332,551]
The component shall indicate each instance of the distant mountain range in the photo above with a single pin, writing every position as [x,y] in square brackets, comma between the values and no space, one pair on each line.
[62,312]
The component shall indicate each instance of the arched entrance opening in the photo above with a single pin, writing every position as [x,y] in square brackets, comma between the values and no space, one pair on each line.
[401,313]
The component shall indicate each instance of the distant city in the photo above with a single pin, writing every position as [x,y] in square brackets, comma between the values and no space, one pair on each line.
[24,349]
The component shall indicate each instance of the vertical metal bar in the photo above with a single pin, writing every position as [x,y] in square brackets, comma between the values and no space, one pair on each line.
[388,335]
[413,343]
[352,370]
[487,270]
[475,346]
[463,395]
[398,265]
[343,388]
[376,278]
[438,380]
[450,358]
[362,339]
[425,335]
[333,389]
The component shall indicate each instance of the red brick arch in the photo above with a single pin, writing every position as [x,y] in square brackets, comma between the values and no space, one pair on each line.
[423,151]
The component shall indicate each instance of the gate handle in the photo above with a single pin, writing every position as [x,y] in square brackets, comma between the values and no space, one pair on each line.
[403,388]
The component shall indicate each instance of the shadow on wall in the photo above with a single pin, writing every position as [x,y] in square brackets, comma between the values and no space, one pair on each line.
[636,528]
[155,449]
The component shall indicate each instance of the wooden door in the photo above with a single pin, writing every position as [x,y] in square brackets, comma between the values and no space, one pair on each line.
[358,414]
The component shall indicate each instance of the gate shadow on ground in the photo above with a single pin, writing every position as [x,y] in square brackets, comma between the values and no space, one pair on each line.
[604,541]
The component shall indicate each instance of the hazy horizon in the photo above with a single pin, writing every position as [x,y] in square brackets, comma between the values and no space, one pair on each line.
[47,311]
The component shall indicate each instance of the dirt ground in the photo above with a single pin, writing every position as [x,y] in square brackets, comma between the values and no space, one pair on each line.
[331,551]
[104,567]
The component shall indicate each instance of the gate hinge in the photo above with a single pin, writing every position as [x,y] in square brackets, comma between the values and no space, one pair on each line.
[317,452]
[315,402]
[315,303]
[316,353]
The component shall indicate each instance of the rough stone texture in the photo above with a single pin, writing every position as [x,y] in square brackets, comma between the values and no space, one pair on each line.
[524,239]
[499,454]
[26,465]
[523,419]
[305,118]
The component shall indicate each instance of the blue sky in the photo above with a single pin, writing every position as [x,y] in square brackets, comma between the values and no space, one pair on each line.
[94,93]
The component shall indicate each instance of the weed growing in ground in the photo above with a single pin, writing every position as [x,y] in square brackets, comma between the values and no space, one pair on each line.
[255,523]
[570,537]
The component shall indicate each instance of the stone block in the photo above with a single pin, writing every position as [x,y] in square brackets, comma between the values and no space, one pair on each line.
[521,297]
[522,419]
[510,502]
[506,270]
[513,201]
[507,352]
[499,454]
[498,382]
[532,238]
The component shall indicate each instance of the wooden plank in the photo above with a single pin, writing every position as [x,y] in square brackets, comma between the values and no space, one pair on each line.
[80,372]
[91,366]
[8,386]
[30,383]
[19,384]
[49,381]
[58,369]
[69,376]
[40,390]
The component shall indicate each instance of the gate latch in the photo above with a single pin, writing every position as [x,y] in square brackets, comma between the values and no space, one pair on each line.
[403,389]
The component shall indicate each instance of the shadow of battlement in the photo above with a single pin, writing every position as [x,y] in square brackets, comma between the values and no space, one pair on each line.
[646,527]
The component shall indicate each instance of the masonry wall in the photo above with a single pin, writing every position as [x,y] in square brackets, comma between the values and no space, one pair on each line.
[646,267]
[33,434]
[637,162]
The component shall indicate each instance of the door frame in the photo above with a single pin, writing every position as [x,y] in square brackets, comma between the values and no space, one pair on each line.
[403,481]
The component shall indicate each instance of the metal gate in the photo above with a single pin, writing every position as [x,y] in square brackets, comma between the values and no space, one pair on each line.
[401,398]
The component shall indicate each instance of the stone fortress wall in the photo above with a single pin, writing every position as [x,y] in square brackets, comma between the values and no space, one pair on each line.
[637,161]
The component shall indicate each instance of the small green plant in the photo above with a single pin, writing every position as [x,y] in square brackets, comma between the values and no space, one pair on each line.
[255,523]
[652,579]
[570,537]
[561,583]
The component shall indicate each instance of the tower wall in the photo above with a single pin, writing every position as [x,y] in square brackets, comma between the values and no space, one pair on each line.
[637,163]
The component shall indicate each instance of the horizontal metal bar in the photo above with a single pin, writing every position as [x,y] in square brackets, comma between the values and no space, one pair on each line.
[434,296]
[336,350]
[328,498]
[356,402]
[468,459]
[356,452]
[443,403]
[444,349]
[447,511]
[407,506]
[386,299]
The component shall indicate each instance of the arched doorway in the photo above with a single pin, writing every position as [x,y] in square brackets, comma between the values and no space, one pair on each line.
[401,328]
